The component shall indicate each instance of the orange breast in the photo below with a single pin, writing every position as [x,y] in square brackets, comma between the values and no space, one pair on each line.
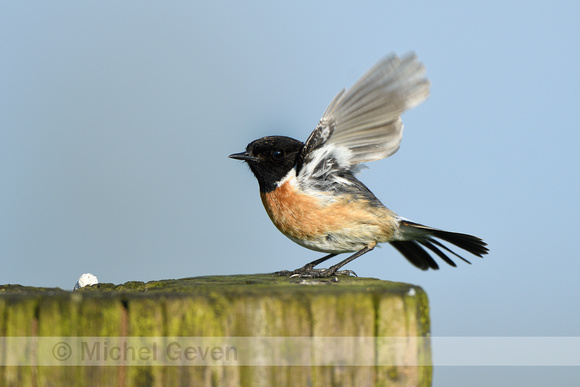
[306,217]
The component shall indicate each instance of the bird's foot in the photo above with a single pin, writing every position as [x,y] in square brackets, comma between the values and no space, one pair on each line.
[309,272]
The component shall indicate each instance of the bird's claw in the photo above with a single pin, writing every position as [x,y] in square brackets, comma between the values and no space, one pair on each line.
[314,273]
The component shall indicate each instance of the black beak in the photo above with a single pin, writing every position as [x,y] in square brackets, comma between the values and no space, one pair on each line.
[245,156]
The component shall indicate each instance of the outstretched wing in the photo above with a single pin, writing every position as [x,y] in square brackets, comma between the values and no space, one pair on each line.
[364,123]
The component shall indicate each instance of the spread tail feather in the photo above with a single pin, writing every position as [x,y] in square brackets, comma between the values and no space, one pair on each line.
[417,237]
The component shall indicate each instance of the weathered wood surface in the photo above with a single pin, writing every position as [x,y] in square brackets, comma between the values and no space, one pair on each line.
[223,306]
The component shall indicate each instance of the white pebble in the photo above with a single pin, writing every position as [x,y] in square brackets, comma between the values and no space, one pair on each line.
[85,280]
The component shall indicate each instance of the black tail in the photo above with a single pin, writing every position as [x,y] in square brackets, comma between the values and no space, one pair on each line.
[420,236]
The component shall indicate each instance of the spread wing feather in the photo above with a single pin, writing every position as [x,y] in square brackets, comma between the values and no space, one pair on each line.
[364,123]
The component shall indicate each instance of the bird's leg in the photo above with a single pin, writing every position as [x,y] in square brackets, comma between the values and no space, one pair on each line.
[306,268]
[332,270]
[309,272]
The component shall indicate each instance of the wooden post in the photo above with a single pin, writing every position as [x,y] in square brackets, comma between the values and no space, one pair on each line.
[327,312]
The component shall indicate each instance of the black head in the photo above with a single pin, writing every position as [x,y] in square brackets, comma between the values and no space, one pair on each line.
[270,158]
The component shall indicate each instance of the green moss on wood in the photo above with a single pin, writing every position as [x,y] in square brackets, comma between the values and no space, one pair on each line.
[241,305]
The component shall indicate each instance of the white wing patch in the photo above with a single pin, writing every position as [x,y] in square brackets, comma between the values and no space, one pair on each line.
[324,166]
[325,159]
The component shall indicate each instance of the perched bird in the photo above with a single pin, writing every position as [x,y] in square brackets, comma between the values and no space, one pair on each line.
[310,190]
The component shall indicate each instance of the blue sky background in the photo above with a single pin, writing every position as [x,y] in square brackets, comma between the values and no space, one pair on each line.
[116,120]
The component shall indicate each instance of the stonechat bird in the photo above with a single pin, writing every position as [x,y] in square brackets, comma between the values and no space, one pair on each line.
[310,190]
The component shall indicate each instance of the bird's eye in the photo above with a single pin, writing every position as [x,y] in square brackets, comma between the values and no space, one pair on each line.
[277,154]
